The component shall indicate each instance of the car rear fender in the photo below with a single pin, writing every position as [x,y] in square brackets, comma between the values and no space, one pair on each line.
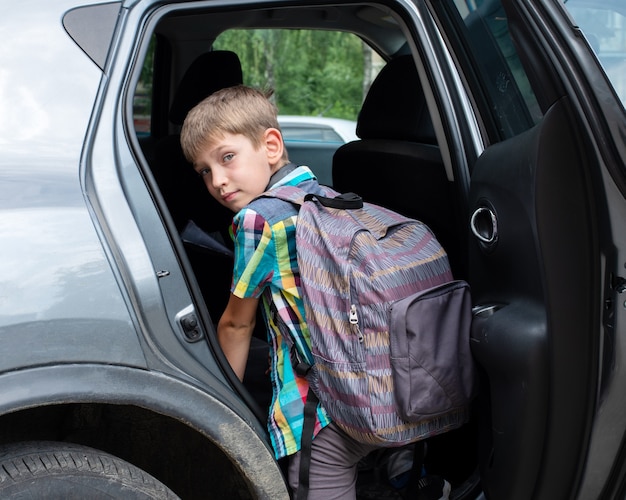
[220,418]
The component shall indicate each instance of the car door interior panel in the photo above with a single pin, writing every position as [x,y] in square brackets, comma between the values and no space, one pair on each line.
[531,289]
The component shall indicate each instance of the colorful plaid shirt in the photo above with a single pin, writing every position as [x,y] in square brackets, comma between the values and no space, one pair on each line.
[266,266]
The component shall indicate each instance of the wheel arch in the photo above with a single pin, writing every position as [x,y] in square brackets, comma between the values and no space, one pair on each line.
[191,439]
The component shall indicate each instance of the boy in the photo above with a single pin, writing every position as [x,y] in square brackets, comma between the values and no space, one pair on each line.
[233,140]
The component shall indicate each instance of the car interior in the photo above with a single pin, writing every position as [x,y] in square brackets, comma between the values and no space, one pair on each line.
[401,162]
[395,134]
[395,128]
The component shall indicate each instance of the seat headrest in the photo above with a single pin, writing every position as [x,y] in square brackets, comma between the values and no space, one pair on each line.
[210,72]
[395,106]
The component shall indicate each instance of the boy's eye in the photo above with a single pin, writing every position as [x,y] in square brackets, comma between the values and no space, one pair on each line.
[228,157]
[204,172]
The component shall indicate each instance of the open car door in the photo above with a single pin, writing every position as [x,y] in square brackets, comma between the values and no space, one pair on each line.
[546,250]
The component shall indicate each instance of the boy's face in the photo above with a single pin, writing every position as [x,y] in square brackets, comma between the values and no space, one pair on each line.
[234,171]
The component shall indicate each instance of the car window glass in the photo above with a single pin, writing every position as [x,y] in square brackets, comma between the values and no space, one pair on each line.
[312,72]
[493,65]
[604,25]
[142,99]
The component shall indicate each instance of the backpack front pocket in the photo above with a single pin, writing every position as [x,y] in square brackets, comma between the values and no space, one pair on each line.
[433,369]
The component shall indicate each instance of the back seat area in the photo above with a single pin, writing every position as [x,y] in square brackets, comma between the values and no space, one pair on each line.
[397,163]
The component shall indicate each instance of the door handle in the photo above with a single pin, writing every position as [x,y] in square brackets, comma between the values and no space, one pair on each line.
[484,225]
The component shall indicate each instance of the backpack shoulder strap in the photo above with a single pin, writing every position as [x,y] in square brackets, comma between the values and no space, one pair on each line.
[346,201]
[298,196]
[292,194]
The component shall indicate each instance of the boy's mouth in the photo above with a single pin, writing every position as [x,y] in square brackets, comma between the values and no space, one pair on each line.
[226,197]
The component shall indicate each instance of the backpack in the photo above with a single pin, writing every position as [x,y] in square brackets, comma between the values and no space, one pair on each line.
[389,326]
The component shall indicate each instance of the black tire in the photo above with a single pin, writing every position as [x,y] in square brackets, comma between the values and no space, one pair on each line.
[50,470]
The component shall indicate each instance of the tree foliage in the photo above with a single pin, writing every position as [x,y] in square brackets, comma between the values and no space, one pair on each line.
[311,72]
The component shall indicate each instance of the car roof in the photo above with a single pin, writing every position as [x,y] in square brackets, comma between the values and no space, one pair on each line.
[374,24]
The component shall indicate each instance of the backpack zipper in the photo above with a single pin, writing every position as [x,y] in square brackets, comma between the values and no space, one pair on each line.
[354,320]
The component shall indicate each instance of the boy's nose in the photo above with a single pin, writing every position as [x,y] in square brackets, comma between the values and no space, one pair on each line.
[218,178]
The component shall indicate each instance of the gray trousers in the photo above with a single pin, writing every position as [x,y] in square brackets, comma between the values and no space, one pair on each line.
[334,460]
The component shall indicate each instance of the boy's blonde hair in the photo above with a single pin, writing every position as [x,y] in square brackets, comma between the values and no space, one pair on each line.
[233,110]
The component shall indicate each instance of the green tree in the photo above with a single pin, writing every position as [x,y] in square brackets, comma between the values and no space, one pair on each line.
[311,72]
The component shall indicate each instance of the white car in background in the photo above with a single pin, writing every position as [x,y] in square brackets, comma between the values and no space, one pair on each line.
[313,140]
[317,128]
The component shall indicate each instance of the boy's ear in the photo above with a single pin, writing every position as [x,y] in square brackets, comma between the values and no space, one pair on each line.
[274,145]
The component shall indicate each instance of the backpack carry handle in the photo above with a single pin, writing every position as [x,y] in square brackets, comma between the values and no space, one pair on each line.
[346,201]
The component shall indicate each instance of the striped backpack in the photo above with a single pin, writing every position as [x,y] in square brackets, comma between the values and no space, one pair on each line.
[389,326]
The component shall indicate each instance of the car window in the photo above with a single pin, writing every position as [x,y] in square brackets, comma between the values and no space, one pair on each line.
[604,25]
[492,66]
[318,80]
[142,99]
[311,72]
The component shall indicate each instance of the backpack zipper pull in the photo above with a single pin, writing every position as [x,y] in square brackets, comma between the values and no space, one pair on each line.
[354,320]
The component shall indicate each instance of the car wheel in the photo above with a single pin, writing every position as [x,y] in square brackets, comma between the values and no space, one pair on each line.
[71,471]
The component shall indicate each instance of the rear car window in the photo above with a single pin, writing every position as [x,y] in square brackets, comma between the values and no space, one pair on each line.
[312,72]
[320,77]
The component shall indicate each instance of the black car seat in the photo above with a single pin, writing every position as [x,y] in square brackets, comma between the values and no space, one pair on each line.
[397,162]
[184,192]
